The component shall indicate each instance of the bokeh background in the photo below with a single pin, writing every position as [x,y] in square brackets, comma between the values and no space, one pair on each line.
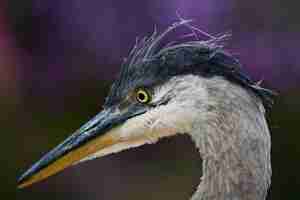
[58,58]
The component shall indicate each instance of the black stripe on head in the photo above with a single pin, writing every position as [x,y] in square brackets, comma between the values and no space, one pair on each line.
[150,63]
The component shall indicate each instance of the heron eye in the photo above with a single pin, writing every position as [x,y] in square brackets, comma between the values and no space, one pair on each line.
[143,96]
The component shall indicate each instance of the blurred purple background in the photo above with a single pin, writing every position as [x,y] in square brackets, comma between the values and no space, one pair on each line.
[77,39]
[57,59]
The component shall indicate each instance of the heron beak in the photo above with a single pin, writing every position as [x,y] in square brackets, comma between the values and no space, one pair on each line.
[99,134]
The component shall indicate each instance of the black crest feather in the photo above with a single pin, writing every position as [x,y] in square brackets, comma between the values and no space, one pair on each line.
[150,61]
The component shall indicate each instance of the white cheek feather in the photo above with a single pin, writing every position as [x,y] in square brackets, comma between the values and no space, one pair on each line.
[163,121]
[160,122]
[148,128]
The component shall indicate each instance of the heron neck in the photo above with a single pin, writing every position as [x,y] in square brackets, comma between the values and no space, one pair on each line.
[234,144]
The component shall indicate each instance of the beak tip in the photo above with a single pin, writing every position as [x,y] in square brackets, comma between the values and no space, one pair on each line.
[21,184]
[21,181]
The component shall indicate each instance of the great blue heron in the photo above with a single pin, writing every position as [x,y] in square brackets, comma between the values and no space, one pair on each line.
[193,88]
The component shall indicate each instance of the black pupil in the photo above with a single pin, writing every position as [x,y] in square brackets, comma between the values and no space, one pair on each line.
[142,96]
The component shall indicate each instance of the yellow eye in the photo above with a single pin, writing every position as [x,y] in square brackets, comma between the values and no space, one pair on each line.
[143,96]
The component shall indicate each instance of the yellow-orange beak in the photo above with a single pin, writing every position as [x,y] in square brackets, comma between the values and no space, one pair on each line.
[96,135]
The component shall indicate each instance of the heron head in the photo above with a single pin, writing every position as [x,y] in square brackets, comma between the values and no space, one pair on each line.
[154,96]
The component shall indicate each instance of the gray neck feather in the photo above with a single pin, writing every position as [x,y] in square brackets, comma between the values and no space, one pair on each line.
[234,143]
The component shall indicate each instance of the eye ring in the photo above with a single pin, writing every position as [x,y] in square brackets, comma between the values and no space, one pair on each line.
[142,96]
